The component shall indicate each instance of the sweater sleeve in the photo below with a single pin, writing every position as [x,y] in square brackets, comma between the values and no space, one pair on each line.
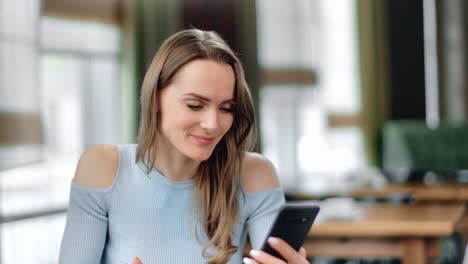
[85,232]
[263,206]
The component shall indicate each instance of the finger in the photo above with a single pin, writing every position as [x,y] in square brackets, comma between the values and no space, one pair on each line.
[249,261]
[303,252]
[137,260]
[263,257]
[284,249]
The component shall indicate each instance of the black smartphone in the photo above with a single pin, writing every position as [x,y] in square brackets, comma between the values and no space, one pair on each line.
[292,224]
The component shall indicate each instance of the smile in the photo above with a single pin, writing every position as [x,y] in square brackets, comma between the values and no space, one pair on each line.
[203,140]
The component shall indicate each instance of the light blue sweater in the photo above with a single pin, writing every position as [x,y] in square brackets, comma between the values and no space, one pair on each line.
[152,217]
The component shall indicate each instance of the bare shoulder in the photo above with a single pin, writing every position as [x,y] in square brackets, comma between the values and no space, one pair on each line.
[257,173]
[97,166]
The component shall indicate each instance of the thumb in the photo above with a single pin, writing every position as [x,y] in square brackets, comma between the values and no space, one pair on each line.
[136,260]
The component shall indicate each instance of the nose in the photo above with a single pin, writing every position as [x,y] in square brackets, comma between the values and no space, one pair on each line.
[209,120]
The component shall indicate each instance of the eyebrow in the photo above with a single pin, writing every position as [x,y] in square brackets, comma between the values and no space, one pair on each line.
[203,98]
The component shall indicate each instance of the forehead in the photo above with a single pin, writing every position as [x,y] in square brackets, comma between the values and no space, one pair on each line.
[209,78]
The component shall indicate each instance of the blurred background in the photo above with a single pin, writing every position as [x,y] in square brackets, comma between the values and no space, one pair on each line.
[349,94]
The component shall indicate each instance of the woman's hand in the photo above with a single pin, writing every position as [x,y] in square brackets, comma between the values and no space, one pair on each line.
[136,260]
[288,253]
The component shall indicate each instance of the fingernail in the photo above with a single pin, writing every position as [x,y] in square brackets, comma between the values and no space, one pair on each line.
[273,240]
[247,261]
[254,253]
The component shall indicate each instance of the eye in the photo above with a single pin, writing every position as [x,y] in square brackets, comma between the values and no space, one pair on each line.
[194,107]
[227,109]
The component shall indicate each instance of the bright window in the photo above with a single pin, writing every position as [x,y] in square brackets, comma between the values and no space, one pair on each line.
[74,70]
[311,153]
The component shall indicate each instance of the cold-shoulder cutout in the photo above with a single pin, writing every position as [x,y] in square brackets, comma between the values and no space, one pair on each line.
[97,167]
[257,173]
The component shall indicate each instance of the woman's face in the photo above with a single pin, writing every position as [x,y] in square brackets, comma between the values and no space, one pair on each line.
[196,108]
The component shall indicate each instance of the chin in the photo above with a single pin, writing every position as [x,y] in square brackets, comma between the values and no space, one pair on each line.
[201,156]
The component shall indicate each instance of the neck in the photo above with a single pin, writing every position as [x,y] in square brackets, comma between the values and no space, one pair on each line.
[172,164]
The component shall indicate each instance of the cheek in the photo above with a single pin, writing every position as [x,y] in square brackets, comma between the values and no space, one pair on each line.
[173,122]
[226,123]
[176,116]
[185,120]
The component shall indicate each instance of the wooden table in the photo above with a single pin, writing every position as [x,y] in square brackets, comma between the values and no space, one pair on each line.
[444,192]
[421,193]
[409,232]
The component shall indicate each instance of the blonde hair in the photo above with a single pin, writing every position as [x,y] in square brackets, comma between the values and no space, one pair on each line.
[217,180]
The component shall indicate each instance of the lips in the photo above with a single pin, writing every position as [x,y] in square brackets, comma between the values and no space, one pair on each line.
[203,140]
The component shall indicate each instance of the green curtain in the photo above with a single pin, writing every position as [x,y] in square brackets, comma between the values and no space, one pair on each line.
[373,56]
[247,35]
[145,25]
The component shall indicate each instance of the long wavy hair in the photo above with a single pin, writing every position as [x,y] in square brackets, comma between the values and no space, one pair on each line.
[217,179]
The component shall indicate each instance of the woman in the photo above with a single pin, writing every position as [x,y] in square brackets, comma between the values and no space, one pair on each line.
[188,192]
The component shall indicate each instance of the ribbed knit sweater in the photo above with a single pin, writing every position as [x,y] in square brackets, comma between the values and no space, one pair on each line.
[152,217]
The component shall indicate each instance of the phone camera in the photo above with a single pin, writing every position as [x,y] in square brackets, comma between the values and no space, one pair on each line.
[304,219]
